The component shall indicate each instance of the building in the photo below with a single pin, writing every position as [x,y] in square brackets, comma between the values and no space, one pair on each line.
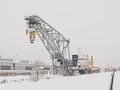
[24,62]
[23,65]
[6,63]
[19,66]
[9,64]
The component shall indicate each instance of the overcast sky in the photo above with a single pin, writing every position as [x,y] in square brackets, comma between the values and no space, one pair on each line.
[93,25]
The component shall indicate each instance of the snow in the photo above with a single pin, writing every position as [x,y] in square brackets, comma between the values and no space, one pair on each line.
[10,79]
[100,81]
[116,83]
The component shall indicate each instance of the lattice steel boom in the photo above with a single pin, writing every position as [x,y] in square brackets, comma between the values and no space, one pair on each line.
[55,43]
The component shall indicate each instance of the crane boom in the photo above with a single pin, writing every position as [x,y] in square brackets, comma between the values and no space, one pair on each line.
[55,43]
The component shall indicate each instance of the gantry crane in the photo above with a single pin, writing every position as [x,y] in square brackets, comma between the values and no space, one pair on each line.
[55,43]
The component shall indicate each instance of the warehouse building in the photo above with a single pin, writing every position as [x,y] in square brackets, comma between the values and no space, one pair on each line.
[6,64]
[23,65]
[9,64]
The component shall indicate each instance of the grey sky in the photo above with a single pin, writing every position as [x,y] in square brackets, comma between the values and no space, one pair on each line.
[93,25]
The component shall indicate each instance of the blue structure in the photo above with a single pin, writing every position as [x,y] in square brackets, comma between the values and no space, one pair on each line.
[82,72]
[74,60]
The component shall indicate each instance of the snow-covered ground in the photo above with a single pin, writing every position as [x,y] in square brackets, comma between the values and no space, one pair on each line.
[116,82]
[10,79]
[99,81]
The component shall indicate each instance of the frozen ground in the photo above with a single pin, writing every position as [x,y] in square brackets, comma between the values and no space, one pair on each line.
[100,81]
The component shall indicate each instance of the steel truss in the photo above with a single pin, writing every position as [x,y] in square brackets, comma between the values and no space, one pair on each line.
[55,43]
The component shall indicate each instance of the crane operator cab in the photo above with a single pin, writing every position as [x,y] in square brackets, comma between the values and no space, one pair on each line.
[31,33]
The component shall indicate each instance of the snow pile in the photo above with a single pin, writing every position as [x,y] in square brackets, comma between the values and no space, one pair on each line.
[99,81]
